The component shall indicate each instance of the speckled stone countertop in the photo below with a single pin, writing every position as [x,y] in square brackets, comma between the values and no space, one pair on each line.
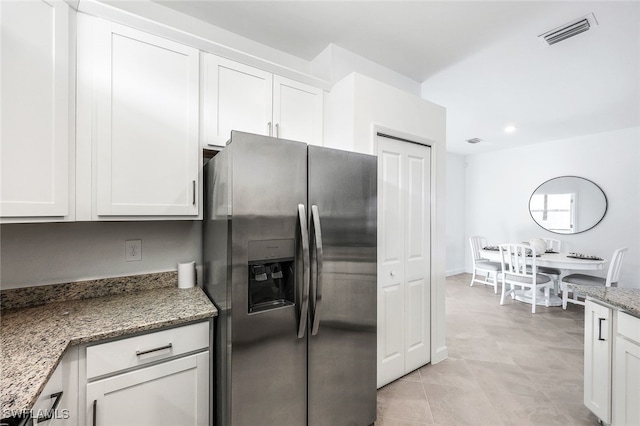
[34,338]
[626,299]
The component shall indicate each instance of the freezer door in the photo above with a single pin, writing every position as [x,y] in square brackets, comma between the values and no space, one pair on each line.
[342,320]
[268,355]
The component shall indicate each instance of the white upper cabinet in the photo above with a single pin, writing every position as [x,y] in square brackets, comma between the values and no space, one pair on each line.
[36,174]
[297,111]
[143,96]
[235,97]
[239,97]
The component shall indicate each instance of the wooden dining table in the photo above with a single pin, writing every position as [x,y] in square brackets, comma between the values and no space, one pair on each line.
[563,261]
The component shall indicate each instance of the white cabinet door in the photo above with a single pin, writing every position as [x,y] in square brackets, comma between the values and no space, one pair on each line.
[297,111]
[626,388]
[147,153]
[404,267]
[627,383]
[417,240]
[57,404]
[35,147]
[171,393]
[239,97]
[597,359]
[391,249]
[235,97]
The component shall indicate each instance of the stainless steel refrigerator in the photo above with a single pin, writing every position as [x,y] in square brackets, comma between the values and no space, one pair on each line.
[290,262]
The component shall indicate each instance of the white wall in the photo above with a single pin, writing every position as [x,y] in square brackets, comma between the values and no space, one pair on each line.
[52,253]
[455,215]
[335,63]
[354,110]
[499,184]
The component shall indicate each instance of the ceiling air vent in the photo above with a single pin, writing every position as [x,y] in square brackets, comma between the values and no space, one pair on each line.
[474,140]
[569,29]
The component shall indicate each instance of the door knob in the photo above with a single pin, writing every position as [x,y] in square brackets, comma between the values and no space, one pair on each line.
[392,273]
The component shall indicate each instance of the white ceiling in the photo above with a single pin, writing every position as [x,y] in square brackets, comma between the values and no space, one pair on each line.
[482,60]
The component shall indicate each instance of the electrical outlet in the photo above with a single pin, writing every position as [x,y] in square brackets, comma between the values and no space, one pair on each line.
[132,250]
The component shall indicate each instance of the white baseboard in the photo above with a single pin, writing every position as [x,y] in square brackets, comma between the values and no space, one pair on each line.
[440,354]
[454,272]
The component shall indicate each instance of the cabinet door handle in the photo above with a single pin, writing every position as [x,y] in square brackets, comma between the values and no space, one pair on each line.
[277,130]
[56,401]
[169,346]
[194,192]
[269,125]
[600,328]
[95,410]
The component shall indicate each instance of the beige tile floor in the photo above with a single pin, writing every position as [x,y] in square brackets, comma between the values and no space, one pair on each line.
[505,367]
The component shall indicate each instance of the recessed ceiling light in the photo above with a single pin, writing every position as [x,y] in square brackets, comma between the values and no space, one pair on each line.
[510,129]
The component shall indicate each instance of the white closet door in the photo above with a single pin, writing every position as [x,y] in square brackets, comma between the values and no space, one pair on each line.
[404,258]
[417,260]
[34,154]
[391,298]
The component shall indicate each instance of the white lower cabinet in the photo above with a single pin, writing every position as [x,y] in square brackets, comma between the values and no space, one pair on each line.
[158,378]
[57,404]
[597,359]
[612,364]
[170,393]
[626,382]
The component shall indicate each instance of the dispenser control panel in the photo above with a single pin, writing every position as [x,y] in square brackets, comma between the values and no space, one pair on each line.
[271,275]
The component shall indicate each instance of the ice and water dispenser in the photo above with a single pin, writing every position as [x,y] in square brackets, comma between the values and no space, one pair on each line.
[271,274]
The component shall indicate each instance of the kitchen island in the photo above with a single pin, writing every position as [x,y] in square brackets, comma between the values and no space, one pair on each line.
[35,338]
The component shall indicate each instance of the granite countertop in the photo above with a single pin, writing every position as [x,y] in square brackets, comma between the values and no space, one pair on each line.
[626,299]
[34,338]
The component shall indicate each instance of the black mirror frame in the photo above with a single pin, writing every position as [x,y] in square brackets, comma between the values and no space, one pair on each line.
[606,204]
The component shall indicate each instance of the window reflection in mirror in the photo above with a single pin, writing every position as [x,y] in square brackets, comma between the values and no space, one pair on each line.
[568,205]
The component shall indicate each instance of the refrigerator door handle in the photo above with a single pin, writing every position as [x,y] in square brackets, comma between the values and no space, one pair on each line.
[304,239]
[317,237]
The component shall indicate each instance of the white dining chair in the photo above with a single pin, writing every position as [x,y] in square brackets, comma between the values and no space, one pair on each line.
[517,274]
[483,266]
[613,274]
[553,273]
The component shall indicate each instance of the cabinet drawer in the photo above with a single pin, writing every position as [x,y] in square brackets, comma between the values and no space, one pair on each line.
[629,326]
[106,358]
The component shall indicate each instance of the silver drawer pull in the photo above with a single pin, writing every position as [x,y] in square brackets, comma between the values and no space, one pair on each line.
[169,346]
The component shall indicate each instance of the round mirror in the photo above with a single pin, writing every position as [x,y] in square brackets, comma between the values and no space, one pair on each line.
[568,205]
